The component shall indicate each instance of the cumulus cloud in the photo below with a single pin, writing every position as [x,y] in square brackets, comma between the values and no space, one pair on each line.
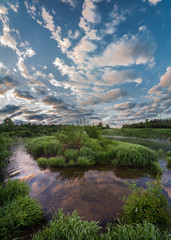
[154,2]
[48,19]
[89,12]
[71,2]
[126,51]
[14,7]
[23,68]
[31,9]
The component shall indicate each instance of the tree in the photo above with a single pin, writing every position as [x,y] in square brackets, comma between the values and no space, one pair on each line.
[9,124]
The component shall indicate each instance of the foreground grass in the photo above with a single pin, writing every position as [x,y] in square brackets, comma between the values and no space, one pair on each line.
[17,210]
[155,133]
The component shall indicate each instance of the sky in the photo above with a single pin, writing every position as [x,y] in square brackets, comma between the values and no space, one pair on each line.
[106,61]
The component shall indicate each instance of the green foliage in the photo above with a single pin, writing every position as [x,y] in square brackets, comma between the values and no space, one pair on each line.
[56,162]
[156,169]
[44,146]
[160,152]
[4,153]
[71,154]
[146,204]
[92,131]
[94,144]
[69,228]
[12,190]
[103,157]
[88,153]
[70,134]
[17,209]
[71,162]
[168,154]
[43,162]
[168,159]
[134,155]
[83,161]
[140,231]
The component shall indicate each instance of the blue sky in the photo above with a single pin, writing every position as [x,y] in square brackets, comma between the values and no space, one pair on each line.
[101,60]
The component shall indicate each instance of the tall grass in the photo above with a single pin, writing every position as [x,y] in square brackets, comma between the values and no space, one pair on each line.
[17,210]
[44,146]
[140,231]
[4,150]
[56,162]
[69,228]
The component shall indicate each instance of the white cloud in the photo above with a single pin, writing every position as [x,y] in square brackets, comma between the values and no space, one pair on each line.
[71,2]
[154,2]
[14,7]
[2,66]
[40,74]
[22,68]
[48,19]
[89,12]
[125,52]
[31,9]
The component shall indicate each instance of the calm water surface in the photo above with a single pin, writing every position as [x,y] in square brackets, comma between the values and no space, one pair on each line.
[95,193]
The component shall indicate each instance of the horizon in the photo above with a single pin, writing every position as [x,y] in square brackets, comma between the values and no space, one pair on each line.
[99,60]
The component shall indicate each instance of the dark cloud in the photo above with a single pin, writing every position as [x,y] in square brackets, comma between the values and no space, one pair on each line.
[8,109]
[38,117]
[57,103]
[23,94]
[6,83]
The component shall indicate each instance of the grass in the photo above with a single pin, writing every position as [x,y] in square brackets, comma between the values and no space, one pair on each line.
[146,204]
[168,154]
[69,228]
[56,162]
[168,159]
[43,162]
[85,162]
[17,211]
[4,150]
[139,132]
[140,231]
[46,146]
[71,154]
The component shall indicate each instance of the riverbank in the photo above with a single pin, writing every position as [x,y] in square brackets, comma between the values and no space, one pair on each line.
[151,133]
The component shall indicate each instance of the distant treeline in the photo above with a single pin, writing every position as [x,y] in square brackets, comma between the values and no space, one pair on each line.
[9,129]
[156,123]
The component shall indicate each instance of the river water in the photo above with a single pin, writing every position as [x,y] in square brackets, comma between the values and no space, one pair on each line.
[95,192]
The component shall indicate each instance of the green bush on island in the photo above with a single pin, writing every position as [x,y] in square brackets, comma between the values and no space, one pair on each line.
[85,162]
[17,210]
[160,152]
[69,228]
[71,154]
[56,162]
[48,146]
[168,154]
[43,162]
[4,153]
[146,204]
[168,159]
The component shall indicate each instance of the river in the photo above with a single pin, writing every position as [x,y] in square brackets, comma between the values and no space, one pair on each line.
[95,192]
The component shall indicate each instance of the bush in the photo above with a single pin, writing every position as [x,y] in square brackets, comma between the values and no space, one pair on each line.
[69,228]
[43,162]
[94,144]
[71,154]
[156,169]
[44,146]
[56,162]
[88,153]
[168,154]
[83,161]
[160,152]
[140,231]
[103,157]
[146,204]
[12,190]
[134,155]
[168,159]
[71,163]
[21,212]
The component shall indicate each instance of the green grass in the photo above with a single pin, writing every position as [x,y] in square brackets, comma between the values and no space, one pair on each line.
[69,228]
[139,132]
[4,150]
[140,231]
[168,159]
[146,204]
[71,154]
[56,162]
[85,162]
[46,146]
[43,162]
[168,154]
[17,211]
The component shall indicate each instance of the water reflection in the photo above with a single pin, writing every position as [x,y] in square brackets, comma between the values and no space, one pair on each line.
[95,192]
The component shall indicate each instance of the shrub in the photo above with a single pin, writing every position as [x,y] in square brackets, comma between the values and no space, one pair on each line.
[69,228]
[71,163]
[83,161]
[21,212]
[168,159]
[12,190]
[140,231]
[56,162]
[146,204]
[43,162]
[88,153]
[44,146]
[92,131]
[160,152]
[71,154]
[103,157]
[94,144]
[156,169]
[168,153]
[135,155]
